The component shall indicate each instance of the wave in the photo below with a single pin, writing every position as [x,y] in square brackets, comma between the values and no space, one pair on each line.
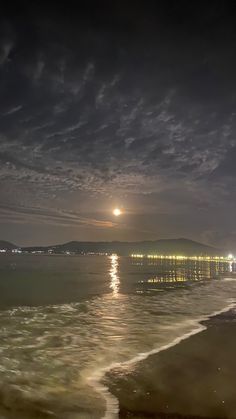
[230,279]
[112,402]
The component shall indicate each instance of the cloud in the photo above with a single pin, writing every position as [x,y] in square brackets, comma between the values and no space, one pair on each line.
[49,216]
[5,48]
[12,110]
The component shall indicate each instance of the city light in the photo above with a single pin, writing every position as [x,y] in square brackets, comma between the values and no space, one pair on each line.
[229,258]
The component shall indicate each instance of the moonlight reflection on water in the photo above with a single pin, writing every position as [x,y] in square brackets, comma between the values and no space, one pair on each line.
[114,276]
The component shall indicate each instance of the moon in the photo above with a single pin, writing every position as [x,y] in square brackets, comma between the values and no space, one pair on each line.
[117,212]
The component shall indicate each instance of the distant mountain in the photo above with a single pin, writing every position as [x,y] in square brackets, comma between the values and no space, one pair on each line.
[4,245]
[180,246]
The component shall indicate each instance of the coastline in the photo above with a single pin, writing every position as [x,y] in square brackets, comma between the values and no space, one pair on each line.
[171,361]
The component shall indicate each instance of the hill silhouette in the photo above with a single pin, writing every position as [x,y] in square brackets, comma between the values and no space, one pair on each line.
[180,246]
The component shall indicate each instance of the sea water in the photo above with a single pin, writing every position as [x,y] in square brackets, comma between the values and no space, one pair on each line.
[66,321]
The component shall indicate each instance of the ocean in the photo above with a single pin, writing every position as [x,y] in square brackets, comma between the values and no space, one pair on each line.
[69,322]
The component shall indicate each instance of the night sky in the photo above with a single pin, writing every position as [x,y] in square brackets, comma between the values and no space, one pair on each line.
[118,104]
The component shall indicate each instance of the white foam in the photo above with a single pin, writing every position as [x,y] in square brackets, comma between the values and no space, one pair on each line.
[229,279]
[112,403]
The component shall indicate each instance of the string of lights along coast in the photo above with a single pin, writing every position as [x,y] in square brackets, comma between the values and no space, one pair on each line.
[229,258]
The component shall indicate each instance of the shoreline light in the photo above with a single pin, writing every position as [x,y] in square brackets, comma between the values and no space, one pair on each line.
[229,258]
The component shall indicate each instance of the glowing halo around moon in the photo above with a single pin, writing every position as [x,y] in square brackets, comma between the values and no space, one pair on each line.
[117,212]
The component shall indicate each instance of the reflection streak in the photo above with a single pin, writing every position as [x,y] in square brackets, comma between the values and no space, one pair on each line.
[115,280]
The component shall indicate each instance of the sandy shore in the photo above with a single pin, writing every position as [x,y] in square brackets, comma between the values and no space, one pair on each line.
[194,379]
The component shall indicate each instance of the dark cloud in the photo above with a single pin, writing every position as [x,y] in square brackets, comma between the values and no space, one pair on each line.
[109,103]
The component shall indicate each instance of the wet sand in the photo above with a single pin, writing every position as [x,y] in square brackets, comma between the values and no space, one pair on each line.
[194,379]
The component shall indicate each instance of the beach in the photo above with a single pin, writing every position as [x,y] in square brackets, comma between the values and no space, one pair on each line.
[193,379]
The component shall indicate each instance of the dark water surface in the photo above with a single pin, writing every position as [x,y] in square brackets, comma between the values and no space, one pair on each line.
[66,321]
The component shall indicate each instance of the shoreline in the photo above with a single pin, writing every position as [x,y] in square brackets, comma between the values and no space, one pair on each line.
[115,409]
